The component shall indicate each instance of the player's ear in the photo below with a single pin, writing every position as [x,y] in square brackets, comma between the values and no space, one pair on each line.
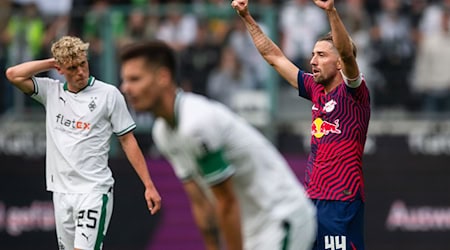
[164,76]
[58,68]
[339,64]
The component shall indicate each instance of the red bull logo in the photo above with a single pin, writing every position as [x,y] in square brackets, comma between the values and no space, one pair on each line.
[320,127]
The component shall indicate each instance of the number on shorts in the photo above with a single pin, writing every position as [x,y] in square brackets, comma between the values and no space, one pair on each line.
[335,242]
[90,218]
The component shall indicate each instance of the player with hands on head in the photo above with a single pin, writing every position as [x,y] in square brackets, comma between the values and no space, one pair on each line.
[340,117]
[242,191]
[81,116]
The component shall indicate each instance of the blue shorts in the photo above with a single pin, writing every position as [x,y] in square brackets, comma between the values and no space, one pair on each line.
[340,225]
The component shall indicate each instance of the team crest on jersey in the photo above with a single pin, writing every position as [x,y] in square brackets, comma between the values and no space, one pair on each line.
[319,127]
[92,104]
[329,106]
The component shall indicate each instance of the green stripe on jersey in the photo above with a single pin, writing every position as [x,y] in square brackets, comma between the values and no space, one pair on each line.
[36,87]
[213,164]
[124,131]
[287,231]
[101,226]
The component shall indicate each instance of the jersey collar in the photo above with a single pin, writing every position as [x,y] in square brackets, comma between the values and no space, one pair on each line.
[91,81]
[176,108]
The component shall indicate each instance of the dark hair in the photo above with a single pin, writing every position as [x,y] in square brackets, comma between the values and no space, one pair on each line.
[329,37]
[155,53]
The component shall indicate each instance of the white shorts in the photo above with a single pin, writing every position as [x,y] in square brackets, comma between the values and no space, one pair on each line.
[298,232]
[82,219]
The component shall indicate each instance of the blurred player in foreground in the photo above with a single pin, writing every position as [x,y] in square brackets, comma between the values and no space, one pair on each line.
[81,115]
[340,118]
[258,202]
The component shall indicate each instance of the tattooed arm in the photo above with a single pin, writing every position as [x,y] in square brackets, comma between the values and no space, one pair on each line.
[266,47]
[203,210]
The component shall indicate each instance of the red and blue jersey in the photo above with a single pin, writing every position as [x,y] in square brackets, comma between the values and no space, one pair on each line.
[340,120]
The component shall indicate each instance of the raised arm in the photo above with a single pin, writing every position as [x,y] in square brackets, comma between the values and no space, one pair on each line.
[266,47]
[20,75]
[341,39]
[137,160]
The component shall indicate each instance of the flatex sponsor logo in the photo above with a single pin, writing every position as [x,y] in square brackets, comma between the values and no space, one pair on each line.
[72,123]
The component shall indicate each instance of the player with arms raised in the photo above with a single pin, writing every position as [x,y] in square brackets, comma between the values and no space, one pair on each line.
[340,118]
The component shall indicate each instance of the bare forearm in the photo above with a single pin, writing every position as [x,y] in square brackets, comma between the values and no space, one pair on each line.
[203,210]
[207,223]
[137,160]
[341,38]
[229,218]
[266,47]
[26,70]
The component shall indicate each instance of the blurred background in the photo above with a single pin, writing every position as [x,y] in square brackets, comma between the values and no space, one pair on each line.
[403,51]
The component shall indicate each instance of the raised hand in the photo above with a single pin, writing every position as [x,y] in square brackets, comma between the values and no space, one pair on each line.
[325,4]
[241,7]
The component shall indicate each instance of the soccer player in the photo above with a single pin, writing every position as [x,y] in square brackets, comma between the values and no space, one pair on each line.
[254,200]
[340,118]
[81,115]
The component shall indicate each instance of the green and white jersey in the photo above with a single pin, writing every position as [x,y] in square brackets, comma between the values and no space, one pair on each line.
[211,141]
[79,128]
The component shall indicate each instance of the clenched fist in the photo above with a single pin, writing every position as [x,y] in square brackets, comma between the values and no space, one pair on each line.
[241,7]
[325,4]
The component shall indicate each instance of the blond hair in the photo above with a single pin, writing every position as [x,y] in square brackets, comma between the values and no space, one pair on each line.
[69,49]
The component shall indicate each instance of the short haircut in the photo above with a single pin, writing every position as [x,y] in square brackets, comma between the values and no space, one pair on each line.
[155,53]
[69,49]
[329,37]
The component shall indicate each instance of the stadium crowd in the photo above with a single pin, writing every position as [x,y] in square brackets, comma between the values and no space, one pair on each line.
[403,45]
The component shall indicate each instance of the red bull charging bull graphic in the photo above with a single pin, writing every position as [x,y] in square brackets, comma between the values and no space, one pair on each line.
[319,127]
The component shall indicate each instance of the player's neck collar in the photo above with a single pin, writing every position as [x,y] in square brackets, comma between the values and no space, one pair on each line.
[176,106]
[90,82]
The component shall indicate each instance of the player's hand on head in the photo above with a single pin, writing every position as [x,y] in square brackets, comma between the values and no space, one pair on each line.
[153,200]
[325,4]
[55,63]
[241,6]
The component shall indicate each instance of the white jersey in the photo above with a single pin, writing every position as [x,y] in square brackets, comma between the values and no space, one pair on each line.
[79,127]
[211,141]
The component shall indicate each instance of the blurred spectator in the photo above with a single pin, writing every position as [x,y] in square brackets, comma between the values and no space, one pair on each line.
[153,18]
[198,60]
[136,28]
[354,16]
[5,14]
[58,28]
[77,15]
[301,23]
[98,19]
[416,10]
[51,9]
[23,37]
[432,74]
[228,78]
[24,34]
[241,42]
[431,20]
[219,21]
[392,39]
[178,28]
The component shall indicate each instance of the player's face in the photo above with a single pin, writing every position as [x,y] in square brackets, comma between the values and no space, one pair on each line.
[76,73]
[324,62]
[139,85]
